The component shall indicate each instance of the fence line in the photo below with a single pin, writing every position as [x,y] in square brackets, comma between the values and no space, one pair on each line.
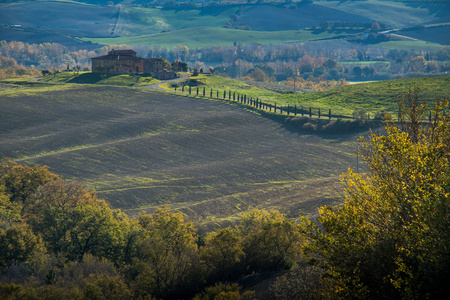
[289,110]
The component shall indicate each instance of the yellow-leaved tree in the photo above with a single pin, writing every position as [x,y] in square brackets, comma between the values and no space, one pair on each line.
[391,237]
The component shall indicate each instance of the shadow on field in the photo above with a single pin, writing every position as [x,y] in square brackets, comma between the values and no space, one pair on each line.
[89,78]
[325,128]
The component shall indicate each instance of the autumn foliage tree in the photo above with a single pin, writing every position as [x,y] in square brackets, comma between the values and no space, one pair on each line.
[390,239]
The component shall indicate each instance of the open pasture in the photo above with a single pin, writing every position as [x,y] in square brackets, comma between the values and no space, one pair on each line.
[198,37]
[210,159]
[59,17]
[270,18]
[431,34]
[395,13]
[373,97]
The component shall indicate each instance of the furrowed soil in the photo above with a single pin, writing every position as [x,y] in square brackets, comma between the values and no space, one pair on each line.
[211,160]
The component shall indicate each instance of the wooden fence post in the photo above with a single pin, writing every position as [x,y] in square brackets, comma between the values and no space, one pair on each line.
[275,108]
[329,114]
[210,94]
[197,91]
[301,110]
[319,113]
[204,90]
[217,94]
[182,88]
[189,90]
[310,112]
[295,110]
[224,94]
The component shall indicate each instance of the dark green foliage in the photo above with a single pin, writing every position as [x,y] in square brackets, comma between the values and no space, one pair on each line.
[78,247]
[18,243]
[271,241]
[306,282]
[22,181]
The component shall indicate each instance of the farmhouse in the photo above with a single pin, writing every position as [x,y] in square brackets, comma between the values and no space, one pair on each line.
[126,62]
[118,62]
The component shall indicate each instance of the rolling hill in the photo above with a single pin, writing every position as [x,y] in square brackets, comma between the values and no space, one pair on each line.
[67,22]
[139,150]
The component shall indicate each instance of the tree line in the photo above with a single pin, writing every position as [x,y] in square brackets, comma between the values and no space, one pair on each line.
[278,62]
[389,240]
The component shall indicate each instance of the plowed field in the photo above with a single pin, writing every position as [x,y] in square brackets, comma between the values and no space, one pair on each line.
[212,160]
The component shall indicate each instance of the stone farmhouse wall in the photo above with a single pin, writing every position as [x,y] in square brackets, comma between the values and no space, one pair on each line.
[126,62]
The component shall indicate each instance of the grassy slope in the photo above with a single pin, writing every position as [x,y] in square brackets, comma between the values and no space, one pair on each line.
[277,18]
[61,18]
[136,21]
[140,149]
[372,97]
[214,36]
[94,78]
[435,34]
[391,13]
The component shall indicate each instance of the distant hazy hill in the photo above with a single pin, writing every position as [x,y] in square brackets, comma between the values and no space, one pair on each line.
[67,21]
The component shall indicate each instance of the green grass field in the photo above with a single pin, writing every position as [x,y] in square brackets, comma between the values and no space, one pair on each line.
[372,96]
[214,36]
[393,13]
[140,149]
[137,21]
[95,78]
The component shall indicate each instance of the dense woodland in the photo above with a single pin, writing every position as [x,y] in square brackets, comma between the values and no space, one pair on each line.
[389,240]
